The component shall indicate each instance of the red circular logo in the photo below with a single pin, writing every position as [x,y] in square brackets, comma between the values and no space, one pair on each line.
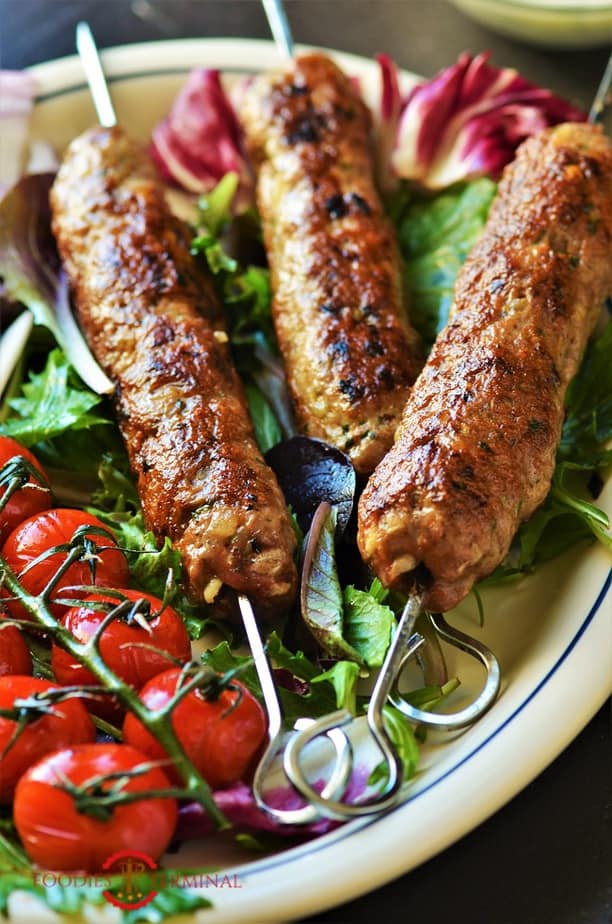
[130,893]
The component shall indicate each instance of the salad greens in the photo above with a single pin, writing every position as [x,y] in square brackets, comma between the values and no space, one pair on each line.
[368,621]
[435,235]
[347,623]
[245,292]
[588,424]
[53,402]
[302,687]
[404,739]
[267,428]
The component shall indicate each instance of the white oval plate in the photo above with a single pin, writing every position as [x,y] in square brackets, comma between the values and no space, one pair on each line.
[551,632]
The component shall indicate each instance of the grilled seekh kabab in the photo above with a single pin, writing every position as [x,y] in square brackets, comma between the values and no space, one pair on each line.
[349,351]
[154,324]
[475,450]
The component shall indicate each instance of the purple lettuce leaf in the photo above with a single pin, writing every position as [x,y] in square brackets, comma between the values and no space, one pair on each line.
[31,273]
[17,90]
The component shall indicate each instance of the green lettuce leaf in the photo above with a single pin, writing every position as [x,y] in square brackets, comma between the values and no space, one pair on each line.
[249,298]
[343,676]
[401,734]
[267,428]
[368,622]
[243,287]
[219,262]
[435,236]
[215,208]
[230,244]
[588,421]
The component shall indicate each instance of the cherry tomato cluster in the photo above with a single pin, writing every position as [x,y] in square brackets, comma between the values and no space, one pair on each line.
[51,767]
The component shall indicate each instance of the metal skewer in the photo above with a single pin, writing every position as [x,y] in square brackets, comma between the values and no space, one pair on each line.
[279,26]
[339,778]
[603,96]
[92,65]
[405,644]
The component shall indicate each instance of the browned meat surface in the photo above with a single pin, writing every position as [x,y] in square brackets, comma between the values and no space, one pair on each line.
[475,450]
[156,328]
[349,352]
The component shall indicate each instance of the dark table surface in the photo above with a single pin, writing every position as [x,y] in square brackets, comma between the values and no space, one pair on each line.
[547,856]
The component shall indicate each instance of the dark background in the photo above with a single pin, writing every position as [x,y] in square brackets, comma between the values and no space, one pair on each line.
[547,856]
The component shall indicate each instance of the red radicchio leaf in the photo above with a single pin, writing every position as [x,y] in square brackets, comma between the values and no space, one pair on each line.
[199,141]
[239,807]
[468,121]
[390,109]
[289,681]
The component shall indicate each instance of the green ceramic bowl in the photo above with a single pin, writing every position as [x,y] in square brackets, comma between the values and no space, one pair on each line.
[554,23]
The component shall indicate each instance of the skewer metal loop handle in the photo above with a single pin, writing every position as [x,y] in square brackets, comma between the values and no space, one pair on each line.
[341,772]
[405,644]
[469,715]
[333,789]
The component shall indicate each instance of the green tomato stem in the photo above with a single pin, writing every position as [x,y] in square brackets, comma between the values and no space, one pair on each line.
[159,725]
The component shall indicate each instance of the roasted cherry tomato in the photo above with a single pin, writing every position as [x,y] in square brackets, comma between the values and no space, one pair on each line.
[14,655]
[220,730]
[60,833]
[26,501]
[122,642]
[56,527]
[66,723]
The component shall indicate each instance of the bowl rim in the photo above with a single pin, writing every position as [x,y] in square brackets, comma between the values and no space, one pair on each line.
[546,6]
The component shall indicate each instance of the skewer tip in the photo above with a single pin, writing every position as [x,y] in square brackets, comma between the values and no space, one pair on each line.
[92,65]
[279,27]
[603,97]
